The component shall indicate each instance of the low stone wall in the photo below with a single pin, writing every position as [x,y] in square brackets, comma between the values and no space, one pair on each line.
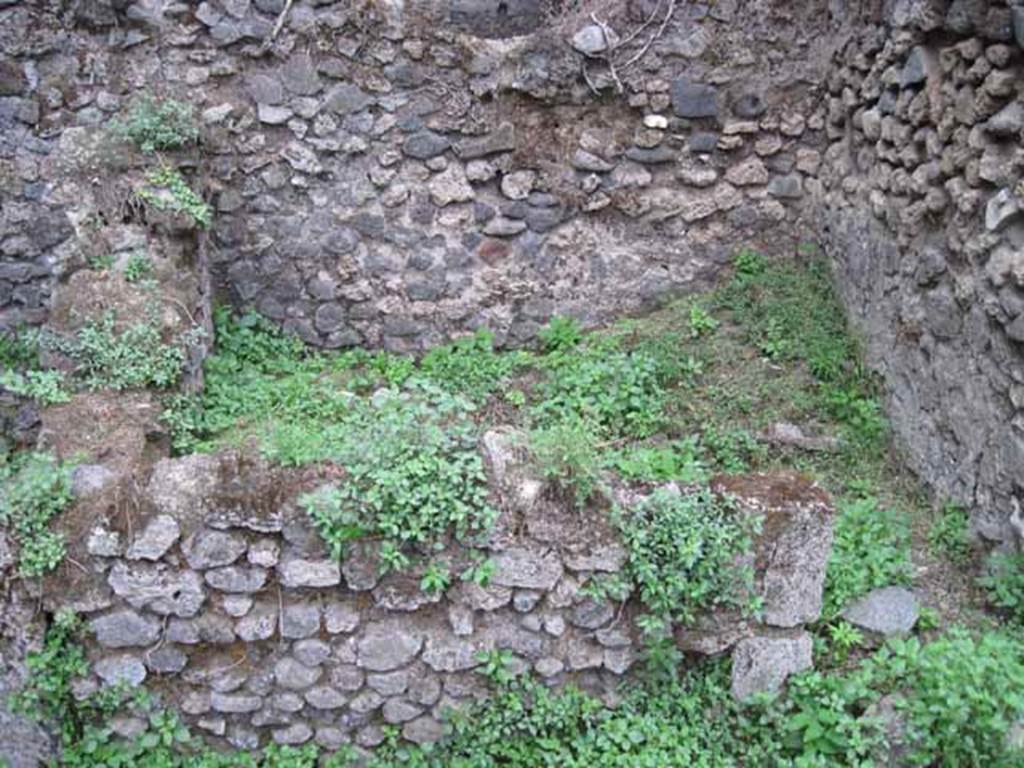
[222,599]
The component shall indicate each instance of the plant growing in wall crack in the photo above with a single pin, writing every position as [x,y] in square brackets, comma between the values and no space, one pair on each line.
[166,190]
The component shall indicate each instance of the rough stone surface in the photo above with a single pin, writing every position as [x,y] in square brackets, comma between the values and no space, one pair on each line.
[159,535]
[762,664]
[886,611]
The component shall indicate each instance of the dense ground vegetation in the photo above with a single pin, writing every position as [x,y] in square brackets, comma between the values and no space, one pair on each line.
[674,397]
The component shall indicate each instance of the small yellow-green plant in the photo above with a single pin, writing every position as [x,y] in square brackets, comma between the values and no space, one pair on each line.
[167,190]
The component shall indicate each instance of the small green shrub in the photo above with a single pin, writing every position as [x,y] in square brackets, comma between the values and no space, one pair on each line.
[959,696]
[471,366]
[103,262]
[701,322]
[47,387]
[1003,582]
[167,190]
[137,356]
[19,350]
[684,551]
[34,489]
[413,473]
[870,549]
[680,460]
[153,125]
[138,266]
[949,535]
[733,450]
[567,453]
[560,334]
[617,392]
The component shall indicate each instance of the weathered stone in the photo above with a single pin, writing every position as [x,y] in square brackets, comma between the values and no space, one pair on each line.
[886,611]
[347,98]
[593,39]
[788,187]
[166,660]
[260,624]
[400,711]
[691,99]
[91,479]
[518,184]
[300,620]
[235,703]
[502,139]
[235,578]
[158,536]
[158,588]
[425,144]
[1000,209]
[762,664]
[212,549]
[502,227]
[341,617]
[750,172]
[325,697]
[104,543]
[587,161]
[122,669]
[592,614]
[450,186]
[124,629]
[526,568]
[294,675]
[296,573]
[311,652]
[446,653]
[293,735]
[389,683]
[387,645]
[423,730]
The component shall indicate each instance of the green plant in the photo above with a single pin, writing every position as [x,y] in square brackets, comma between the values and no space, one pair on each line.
[701,322]
[560,334]
[19,349]
[733,450]
[871,548]
[167,190]
[436,579]
[684,553]
[153,124]
[471,366]
[138,266]
[34,489]
[567,453]
[949,534]
[480,572]
[135,356]
[413,473]
[1003,582]
[680,460]
[844,638]
[47,387]
[104,262]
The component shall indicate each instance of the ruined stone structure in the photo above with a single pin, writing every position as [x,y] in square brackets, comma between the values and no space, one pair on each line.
[393,174]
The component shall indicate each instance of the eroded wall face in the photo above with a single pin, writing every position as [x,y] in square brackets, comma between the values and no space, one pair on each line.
[394,174]
[922,219]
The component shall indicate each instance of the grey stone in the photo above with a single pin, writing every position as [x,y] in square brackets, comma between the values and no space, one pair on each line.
[915,70]
[425,144]
[264,89]
[366,702]
[264,553]
[311,652]
[325,697]
[298,74]
[587,161]
[400,711]
[298,573]
[450,186]
[261,624]
[526,568]
[886,611]
[293,735]
[502,139]
[347,677]
[346,98]
[166,660]
[1008,122]
[592,614]
[123,669]
[124,629]
[294,675]
[548,666]
[235,578]
[762,664]
[271,115]
[300,620]
[502,227]
[341,617]
[158,536]
[288,702]
[787,187]
[749,106]
[608,558]
[653,156]
[447,653]
[235,703]
[91,479]
[517,185]
[104,543]
[423,730]
[592,40]
[693,100]
[212,549]
[389,683]
[1000,209]
[1018,24]
[387,645]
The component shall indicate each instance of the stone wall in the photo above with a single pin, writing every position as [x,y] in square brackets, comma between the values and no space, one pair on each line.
[395,173]
[922,218]
[211,588]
